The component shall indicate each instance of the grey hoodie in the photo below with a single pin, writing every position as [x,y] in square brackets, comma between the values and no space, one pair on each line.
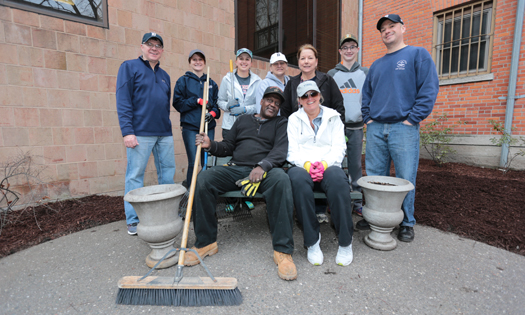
[350,82]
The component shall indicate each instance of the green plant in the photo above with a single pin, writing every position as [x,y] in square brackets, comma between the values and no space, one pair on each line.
[507,139]
[435,137]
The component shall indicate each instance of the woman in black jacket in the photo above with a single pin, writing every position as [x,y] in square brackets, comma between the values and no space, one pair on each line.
[307,56]
[187,100]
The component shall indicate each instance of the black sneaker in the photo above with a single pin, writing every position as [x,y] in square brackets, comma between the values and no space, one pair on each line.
[406,234]
[132,229]
[362,225]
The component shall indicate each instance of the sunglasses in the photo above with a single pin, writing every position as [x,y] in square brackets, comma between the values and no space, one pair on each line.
[307,95]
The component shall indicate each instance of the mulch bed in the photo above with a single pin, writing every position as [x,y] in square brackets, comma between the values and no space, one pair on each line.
[478,203]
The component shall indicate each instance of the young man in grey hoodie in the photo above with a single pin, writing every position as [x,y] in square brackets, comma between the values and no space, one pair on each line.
[350,76]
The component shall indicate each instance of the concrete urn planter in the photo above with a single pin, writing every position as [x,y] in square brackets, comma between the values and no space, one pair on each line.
[384,196]
[157,209]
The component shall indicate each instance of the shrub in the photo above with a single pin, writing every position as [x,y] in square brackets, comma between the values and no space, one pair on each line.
[435,137]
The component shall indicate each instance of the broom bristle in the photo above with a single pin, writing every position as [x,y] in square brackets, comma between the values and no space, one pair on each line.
[179,297]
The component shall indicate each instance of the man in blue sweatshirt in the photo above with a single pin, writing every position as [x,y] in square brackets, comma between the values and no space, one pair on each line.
[143,105]
[399,92]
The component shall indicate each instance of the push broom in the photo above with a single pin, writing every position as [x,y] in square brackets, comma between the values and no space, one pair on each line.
[181,291]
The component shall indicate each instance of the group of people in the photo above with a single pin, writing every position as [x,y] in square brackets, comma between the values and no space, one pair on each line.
[311,121]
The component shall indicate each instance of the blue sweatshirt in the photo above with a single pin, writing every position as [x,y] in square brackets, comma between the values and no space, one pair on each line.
[143,99]
[188,89]
[402,85]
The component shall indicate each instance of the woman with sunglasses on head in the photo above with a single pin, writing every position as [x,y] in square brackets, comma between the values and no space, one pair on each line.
[187,100]
[316,148]
[307,56]
[245,84]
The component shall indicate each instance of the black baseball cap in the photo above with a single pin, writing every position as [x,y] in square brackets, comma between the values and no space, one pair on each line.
[347,38]
[274,90]
[151,35]
[392,17]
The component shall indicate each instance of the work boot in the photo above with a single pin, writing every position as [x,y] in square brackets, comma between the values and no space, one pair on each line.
[190,259]
[286,268]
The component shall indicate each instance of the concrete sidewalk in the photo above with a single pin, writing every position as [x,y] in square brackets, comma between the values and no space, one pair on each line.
[438,273]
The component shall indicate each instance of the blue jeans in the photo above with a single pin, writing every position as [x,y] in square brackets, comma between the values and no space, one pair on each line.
[188,136]
[400,143]
[164,155]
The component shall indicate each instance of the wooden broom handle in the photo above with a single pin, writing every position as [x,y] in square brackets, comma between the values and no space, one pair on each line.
[187,220]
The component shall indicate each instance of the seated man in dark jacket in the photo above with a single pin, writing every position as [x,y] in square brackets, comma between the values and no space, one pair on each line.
[258,144]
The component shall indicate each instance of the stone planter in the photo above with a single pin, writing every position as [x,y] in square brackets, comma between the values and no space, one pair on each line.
[383,208]
[157,209]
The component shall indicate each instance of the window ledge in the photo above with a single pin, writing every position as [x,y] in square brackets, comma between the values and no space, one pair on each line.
[475,78]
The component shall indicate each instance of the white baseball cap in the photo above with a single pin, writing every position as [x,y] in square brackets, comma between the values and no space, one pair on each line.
[277,57]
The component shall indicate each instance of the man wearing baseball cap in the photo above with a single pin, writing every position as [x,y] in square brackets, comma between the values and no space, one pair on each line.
[275,77]
[350,76]
[399,93]
[143,95]
[258,144]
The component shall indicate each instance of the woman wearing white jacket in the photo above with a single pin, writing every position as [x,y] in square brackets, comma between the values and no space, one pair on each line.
[316,148]
[245,84]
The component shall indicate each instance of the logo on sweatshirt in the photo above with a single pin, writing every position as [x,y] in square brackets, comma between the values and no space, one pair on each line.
[401,65]
[349,87]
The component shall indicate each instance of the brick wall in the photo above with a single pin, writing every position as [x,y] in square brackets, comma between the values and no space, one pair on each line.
[57,83]
[475,103]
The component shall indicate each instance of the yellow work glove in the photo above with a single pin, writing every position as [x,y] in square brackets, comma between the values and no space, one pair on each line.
[248,188]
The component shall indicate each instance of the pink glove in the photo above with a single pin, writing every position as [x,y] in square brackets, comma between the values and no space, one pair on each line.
[317,171]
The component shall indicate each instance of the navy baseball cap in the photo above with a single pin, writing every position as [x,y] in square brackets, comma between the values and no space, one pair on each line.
[392,17]
[274,90]
[151,35]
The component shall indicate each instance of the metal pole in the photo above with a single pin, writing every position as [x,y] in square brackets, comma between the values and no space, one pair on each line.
[360,32]
[513,79]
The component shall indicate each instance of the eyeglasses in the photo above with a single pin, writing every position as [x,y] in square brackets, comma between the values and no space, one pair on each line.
[271,101]
[311,94]
[151,45]
[345,48]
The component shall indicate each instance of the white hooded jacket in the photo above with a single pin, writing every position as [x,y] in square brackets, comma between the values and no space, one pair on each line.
[225,95]
[304,145]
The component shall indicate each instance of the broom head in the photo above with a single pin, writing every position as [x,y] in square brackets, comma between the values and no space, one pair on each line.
[190,291]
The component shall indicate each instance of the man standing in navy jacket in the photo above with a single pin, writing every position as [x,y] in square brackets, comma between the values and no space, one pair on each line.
[399,92]
[143,105]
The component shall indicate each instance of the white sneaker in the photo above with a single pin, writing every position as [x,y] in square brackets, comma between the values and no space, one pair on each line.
[322,218]
[344,256]
[315,255]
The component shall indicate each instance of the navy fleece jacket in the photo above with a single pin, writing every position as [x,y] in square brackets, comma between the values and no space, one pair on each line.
[143,99]
[188,89]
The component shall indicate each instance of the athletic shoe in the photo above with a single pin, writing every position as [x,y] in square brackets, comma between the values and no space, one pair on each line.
[321,218]
[358,211]
[362,225]
[229,207]
[132,229]
[285,266]
[249,204]
[315,255]
[406,234]
[345,255]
